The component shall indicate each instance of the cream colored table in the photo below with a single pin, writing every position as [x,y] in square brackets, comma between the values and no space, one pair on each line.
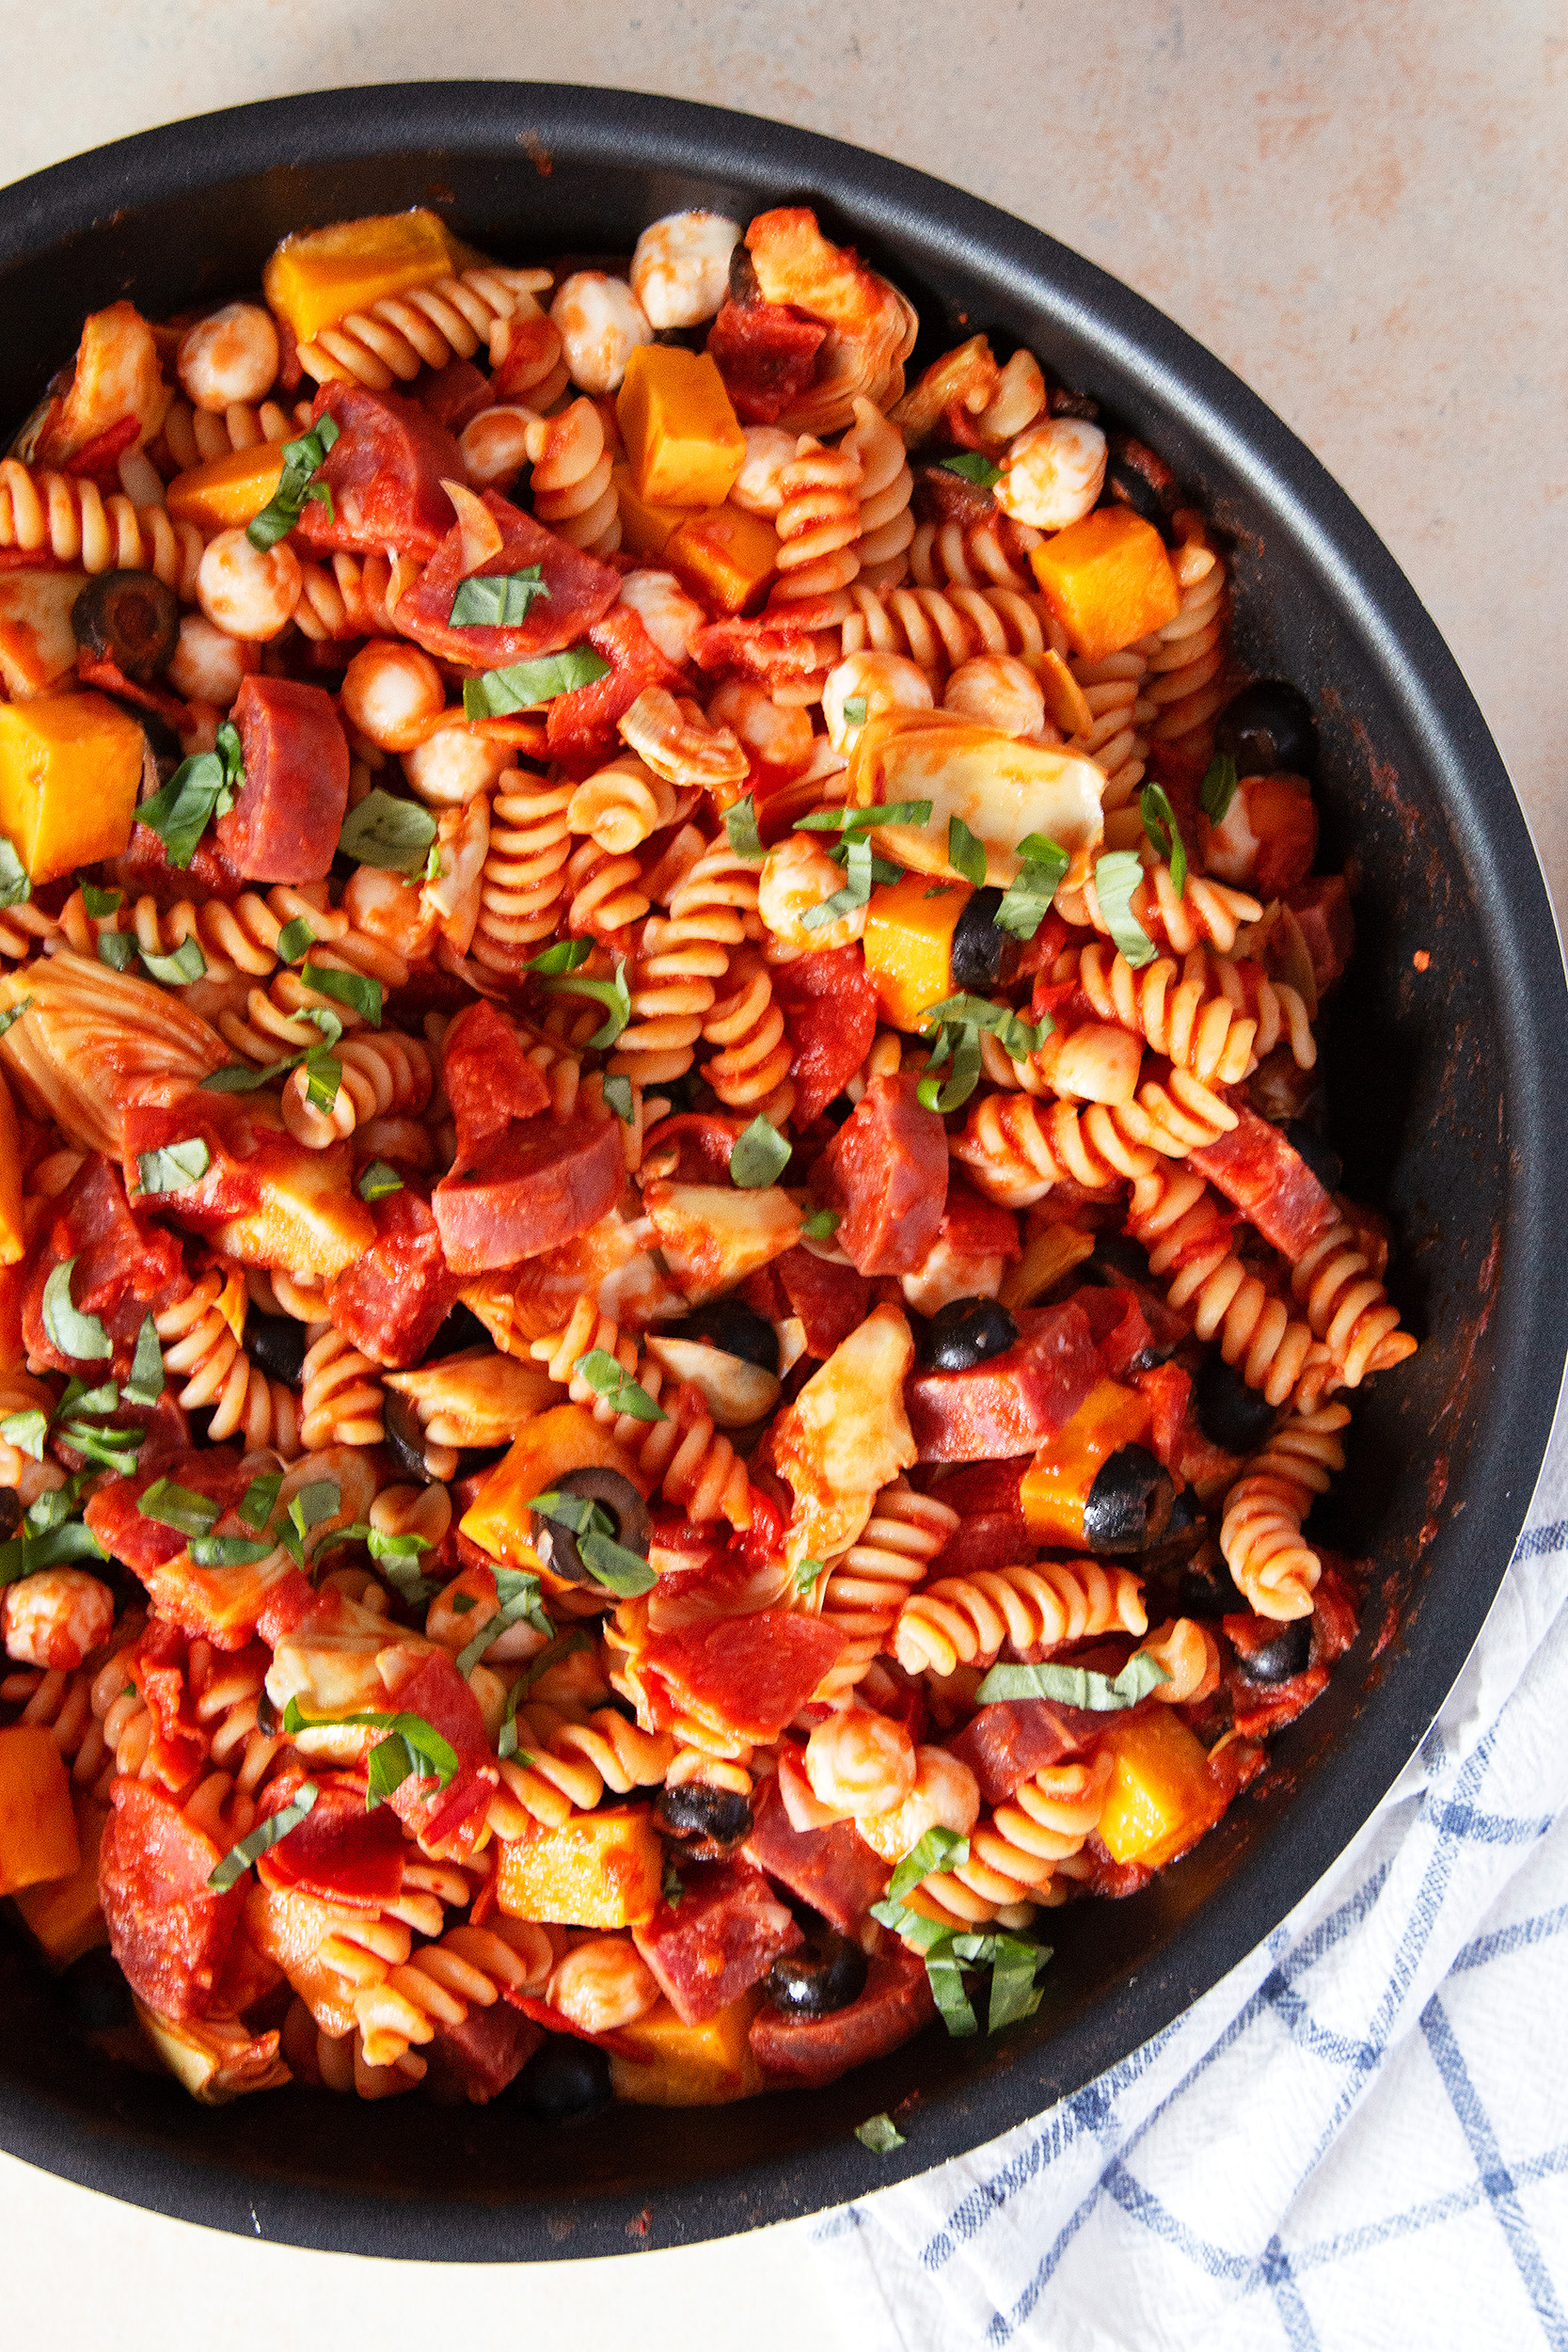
[1358,209]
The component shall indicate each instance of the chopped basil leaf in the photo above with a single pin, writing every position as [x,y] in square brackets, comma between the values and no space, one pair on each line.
[856,892]
[387,832]
[806,1574]
[200,789]
[101,903]
[412,1745]
[562,1647]
[1026,901]
[259,1499]
[323,1075]
[398,1558]
[618,1095]
[433,868]
[147,1383]
[880,2135]
[355,988]
[14,1012]
[15,889]
[972,467]
[822,1224]
[118,949]
[174,1165]
[1014,1993]
[82,1337]
[945,1975]
[323,1498]
[237,1861]
[759,1156]
[862,819]
[938,1849]
[294,940]
[393,1549]
[525,685]
[854,710]
[957,1022]
[1218,789]
[228,1552]
[79,1397]
[1116,876]
[965,854]
[575,1513]
[617,993]
[740,827]
[302,460]
[621,1571]
[611,1381]
[1076,1686]
[672,1886]
[961,1047]
[378,1181]
[187,964]
[114,1448]
[1163,833]
[494,599]
[27,1431]
[170,1505]
[519,1600]
[564,955]
[241,1077]
[1019,1036]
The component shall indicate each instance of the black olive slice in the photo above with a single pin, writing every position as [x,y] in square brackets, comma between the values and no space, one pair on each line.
[966,1332]
[565,2081]
[129,618]
[718,1816]
[404,1436]
[557,1545]
[1230,1414]
[1268,729]
[276,1345]
[732,1328]
[824,1975]
[1288,1653]
[975,957]
[1129,1506]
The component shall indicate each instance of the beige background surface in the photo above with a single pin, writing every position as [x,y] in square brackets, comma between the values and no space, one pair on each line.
[1358,207]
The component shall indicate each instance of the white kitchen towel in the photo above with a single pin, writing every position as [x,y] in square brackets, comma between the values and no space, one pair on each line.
[1359,2137]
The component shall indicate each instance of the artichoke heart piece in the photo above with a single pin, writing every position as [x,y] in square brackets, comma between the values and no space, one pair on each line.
[1000,788]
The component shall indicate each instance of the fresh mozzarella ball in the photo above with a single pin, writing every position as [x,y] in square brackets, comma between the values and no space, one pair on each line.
[680,272]
[1054,474]
[54,1617]
[230,357]
[390,693]
[884,682]
[209,666]
[757,487]
[667,612]
[452,765]
[776,735]
[245,592]
[600,323]
[1000,693]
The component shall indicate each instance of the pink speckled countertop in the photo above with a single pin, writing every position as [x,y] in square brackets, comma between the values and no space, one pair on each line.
[1358,210]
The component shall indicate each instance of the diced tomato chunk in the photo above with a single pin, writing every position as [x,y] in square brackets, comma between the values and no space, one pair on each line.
[885,1172]
[391,1302]
[1270,1182]
[169,1933]
[1009,1741]
[766,354]
[832,1300]
[828,1002]
[143,1544]
[488,1077]
[750,1674]
[122,1273]
[454,1814]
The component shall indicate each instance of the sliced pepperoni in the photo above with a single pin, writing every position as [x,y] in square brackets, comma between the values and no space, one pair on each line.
[752,1675]
[703,1140]
[832,1870]
[1168,1392]
[437,1692]
[123,1272]
[141,1544]
[392,1301]
[1004,1743]
[168,1931]
[157,1663]
[289,811]
[1011,1402]
[829,1008]
[340,1853]
[488,1077]
[885,1172]
[766,354]
[832,1300]
[1121,1330]
[809,2051]
[581,727]
[1270,1182]
[725,1934]
[580,590]
[976,1228]
[454,394]
[540,1185]
[384,471]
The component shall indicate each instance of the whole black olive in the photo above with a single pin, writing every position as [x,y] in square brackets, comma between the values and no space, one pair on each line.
[718,1816]
[732,1328]
[1183,1531]
[404,1436]
[966,1332]
[975,959]
[633,1530]
[1230,1414]
[1269,728]
[1128,1508]
[1125,486]
[1319,1154]
[565,2081]
[94,1994]
[461,1330]
[128,618]
[1204,1588]
[826,1974]
[1286,1655]
[276,1345]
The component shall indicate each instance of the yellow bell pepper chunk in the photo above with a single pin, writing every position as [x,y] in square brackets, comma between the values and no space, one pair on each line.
[908,944]
[13,1238]
[1108,580]
[594,1870]
[70,767]
[37,1828]
[229,491]
[319,276]
[1162,1795]
[1056,1483]
[62,1915]
[37,644]
[645,530]
[683,443]
[548,1448]
[725,556]
[660,2062]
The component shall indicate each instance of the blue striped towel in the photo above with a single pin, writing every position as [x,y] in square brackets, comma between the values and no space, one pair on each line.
[1358,2138]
